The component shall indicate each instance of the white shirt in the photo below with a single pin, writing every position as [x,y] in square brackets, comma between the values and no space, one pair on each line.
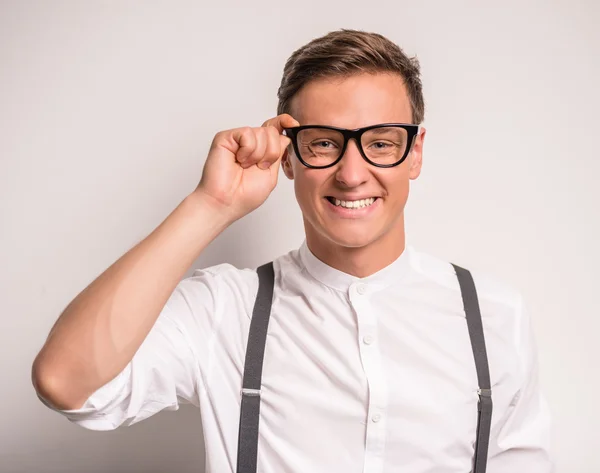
[371,375]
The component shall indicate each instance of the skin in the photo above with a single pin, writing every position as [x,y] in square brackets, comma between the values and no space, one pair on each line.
[358,246]
[102,328]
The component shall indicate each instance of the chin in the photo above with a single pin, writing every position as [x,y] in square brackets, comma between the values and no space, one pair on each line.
[344,233]
[349,239]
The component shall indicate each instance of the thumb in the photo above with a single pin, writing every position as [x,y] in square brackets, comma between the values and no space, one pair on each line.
[282,121]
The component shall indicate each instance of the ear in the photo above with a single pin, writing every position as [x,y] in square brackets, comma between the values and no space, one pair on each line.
[286,163]
[416,160]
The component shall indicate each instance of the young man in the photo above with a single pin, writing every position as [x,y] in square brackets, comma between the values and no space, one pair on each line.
[369,362]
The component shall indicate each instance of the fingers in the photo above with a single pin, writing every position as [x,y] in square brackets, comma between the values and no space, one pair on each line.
[257,146]
[274,148]
[265,145]
[277,125]
[246,139]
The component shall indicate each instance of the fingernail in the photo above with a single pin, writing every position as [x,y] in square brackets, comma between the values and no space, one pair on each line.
[264,165]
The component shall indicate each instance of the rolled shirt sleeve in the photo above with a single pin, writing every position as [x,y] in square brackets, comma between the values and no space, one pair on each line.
[167,368]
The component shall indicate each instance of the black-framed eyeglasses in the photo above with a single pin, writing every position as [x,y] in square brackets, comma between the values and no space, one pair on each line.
[385,145]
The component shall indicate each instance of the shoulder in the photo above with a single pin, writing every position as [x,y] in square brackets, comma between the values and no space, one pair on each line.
[226,285]
[224,277]
[497,296]
[503,309]
[214,289]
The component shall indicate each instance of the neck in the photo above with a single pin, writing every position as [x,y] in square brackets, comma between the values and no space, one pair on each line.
[359,261]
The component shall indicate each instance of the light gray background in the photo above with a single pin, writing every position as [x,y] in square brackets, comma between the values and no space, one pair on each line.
[107,110]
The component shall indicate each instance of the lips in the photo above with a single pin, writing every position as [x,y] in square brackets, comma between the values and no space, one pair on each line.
[350,199]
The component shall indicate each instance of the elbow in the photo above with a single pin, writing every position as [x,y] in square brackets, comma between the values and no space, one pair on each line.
[53,388]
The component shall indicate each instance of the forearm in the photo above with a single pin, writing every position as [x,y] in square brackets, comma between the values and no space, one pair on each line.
[102,328]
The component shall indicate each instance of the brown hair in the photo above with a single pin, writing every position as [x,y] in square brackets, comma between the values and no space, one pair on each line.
[346,52]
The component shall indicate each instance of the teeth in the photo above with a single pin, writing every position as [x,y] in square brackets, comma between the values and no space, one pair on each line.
[354,204]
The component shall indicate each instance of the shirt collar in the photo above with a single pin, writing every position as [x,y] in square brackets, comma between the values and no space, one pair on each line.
[336,279]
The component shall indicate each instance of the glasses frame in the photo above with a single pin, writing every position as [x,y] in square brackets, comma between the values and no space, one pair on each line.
[411,130]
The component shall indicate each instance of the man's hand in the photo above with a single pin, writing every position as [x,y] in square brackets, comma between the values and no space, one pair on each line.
[243,164]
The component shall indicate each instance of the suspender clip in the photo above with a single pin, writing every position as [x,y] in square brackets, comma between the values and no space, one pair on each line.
[250,392]
[484,392]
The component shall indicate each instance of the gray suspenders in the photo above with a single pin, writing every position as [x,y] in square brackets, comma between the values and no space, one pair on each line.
[255,351]
[484,406]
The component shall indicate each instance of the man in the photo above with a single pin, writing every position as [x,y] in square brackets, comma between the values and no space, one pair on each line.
[368,361]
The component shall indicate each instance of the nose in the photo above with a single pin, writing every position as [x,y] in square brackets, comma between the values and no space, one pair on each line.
[352,170]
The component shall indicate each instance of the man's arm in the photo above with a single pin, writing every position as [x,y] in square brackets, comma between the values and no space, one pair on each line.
[523,440]
[103,327]
[100,331]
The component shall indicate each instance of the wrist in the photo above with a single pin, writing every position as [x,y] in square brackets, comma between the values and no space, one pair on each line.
[207,208]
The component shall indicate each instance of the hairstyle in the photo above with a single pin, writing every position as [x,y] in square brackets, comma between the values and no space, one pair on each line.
[346,52]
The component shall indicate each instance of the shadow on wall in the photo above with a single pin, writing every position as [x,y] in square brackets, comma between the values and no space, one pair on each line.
[167,441]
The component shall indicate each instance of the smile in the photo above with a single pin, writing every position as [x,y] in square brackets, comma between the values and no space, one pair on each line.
[352,204]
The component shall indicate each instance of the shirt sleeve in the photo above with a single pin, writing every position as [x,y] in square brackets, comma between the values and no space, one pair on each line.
[523,441]
[167,368]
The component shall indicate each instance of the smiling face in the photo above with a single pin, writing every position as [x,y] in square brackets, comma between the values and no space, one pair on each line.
[353,102]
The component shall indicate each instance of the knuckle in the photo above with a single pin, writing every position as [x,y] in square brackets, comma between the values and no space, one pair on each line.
[248,137]
[260,134]
[274,132]
[218,139]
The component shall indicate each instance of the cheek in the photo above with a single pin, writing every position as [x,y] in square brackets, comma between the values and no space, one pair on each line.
[307,185]
[396,187]
[401,195]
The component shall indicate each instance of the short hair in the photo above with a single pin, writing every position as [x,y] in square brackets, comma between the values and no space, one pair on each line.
[347,52]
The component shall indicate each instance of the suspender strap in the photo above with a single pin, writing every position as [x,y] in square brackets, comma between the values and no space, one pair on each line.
[255,352]
[484,408]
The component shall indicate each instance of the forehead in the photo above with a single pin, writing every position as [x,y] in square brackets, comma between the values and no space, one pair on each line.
[353,102]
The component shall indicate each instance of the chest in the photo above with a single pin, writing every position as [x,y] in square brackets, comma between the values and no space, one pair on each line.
[388,371]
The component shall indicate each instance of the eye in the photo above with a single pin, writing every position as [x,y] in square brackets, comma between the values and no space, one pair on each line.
[380,145]
[322,144]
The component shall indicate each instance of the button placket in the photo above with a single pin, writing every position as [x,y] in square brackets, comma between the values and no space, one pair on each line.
[372,364]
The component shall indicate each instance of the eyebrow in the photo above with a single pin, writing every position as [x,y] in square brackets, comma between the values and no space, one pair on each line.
[378,131]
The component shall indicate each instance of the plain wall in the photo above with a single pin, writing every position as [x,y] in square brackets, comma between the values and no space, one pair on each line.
[107,110]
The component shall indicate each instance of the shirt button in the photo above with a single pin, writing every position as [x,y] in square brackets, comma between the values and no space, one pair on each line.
[361,289]
[368,339]
[376,418]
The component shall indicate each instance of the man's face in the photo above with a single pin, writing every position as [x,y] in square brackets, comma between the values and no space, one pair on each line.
[354,102]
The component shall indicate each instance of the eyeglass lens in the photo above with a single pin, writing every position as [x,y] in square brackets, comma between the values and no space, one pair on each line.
[381,145]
